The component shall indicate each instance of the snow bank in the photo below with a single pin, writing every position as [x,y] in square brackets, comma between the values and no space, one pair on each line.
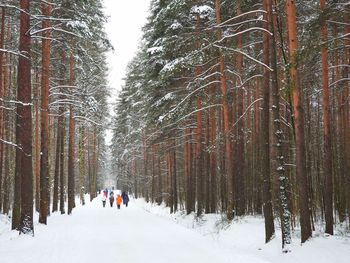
[247,235]
[148,233]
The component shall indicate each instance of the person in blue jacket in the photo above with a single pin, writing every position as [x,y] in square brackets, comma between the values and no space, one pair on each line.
[125,198]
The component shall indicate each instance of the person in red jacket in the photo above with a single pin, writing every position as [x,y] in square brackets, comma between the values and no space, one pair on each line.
[119,201]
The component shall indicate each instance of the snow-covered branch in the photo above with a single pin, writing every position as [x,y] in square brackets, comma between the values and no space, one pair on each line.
[243,32]
[246,55]
[13,53]
[16,102]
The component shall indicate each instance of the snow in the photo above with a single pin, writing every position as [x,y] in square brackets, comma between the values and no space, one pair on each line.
[204,11]
[172,65]
[154,50]
[176,25]
[148,233]
[246,236]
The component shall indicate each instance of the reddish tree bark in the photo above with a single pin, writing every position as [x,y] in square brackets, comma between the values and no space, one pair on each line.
[265,136]
[212,157]
[187,167]
[45,78]
[24,122]
[174,175]
[327,130]
[160,181]
[347,104]
[207,163]
[37,145]
[298,110]
[199,157]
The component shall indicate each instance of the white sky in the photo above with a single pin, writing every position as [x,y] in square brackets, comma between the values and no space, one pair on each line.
[126,18]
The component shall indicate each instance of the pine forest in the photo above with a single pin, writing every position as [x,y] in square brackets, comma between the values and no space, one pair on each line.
[236,108]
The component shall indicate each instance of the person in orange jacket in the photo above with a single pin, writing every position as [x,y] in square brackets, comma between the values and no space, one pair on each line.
[119,201]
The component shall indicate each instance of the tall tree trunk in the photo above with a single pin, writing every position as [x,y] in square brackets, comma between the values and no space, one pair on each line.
[24,122]
[145,167]
[96,161]
[249,151]
[174,176]
[71,147]
[160,181]
[7,135]
[298,110]
[199,136]
[240,178]
[133,171]
[94,165]
[199,158]
[37,144]
[257,152]
[212,156]
[45,79]
[57,164]
[187,167]
[207,194]
[7,183]
[153,181]
[16,207]
[192,160]
[2,39]
[347,107]
[62,174]
[169,180]
[226,124]
[340,186]
[278,132]
[265,137]
[58,182]
[328,170]
[82,169]
[90,163]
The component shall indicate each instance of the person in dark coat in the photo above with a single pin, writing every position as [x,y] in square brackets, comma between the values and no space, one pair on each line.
[125,199]
[111,198]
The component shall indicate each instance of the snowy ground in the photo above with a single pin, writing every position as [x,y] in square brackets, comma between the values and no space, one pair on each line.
[147,233]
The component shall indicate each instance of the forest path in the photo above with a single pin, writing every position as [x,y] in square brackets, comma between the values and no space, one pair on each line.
[129,235]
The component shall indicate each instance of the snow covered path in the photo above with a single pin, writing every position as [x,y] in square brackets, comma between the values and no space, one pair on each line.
[130,235]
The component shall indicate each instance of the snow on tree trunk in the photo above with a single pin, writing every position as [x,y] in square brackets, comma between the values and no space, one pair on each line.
[278,133]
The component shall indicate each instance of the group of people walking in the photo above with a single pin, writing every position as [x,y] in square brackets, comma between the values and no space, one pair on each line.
[119,199]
